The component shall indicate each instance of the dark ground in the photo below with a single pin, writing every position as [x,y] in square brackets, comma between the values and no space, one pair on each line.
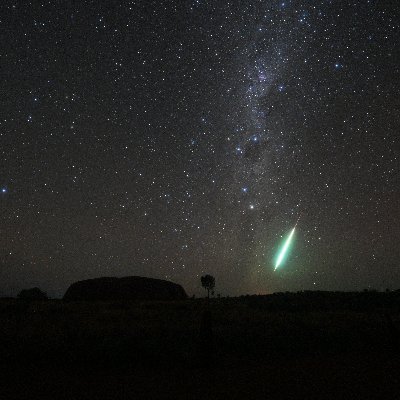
[288,346]
[353,376]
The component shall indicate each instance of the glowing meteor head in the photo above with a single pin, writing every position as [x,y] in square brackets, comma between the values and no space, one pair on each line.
[284,250]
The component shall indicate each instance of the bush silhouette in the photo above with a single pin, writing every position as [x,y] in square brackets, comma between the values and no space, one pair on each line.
[32,294]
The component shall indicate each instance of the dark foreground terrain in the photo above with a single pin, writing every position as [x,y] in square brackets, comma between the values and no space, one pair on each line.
[304,345]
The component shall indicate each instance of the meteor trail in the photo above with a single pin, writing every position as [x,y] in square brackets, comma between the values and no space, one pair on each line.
[284,249]
[286,246]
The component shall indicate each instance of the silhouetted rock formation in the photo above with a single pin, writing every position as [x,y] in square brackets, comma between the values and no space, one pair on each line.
[127,288]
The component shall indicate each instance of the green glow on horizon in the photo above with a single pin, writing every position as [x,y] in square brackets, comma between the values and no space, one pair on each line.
[284,249]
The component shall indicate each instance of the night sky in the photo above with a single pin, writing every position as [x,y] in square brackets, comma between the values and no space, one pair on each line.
[171,139]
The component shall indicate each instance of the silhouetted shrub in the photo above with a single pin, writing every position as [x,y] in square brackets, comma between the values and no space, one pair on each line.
[32,294]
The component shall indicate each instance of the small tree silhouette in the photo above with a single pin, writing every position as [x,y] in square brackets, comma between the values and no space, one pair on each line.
[32,294]
[208,283]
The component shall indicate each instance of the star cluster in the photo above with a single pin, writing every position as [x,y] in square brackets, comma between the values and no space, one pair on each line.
[172,139]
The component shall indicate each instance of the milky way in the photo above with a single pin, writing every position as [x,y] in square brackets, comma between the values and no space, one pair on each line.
[173,139]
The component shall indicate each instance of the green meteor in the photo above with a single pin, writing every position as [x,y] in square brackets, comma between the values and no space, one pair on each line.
[284,249]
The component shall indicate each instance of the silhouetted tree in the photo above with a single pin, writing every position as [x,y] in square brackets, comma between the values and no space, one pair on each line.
[32,294]
[208,283]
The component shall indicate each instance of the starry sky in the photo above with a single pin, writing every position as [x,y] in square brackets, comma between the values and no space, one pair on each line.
[171,139]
